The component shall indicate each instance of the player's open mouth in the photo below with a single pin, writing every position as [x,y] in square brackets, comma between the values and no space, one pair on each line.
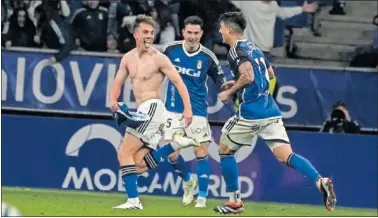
[147,43]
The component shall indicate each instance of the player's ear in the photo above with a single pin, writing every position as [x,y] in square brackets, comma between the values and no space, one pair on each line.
[201,33]
[182,32]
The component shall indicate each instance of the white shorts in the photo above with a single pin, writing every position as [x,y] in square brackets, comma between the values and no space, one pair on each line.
[238,132]
[155,125]
[199,129]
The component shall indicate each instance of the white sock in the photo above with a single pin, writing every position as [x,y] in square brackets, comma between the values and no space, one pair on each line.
[133,200]
[234,196]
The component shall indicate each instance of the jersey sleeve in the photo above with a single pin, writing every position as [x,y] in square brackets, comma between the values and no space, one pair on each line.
[240,57]
[267,63]
[216,72]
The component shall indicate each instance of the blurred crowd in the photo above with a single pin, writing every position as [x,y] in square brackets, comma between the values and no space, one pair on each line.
[106,25]
[100,26]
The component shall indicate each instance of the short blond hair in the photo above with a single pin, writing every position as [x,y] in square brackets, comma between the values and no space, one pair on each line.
[141,18]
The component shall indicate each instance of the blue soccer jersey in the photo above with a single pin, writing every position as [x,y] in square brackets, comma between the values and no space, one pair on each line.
[194,69]
[255,101]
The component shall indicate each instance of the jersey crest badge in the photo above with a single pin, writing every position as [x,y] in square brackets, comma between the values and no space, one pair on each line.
[199,65]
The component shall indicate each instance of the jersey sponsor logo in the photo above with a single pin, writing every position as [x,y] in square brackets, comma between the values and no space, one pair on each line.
[105,179]
[188,71]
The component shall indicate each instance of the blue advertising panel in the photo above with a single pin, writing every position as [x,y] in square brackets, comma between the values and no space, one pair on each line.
[80,154]
[81,84]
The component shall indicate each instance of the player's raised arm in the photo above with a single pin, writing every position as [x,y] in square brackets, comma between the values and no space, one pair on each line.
[170,71]
[118,83]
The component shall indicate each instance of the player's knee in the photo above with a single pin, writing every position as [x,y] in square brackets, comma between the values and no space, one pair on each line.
[201,151]
[123,155]
[139,159]
[223,149]
[282,152]
[141,169]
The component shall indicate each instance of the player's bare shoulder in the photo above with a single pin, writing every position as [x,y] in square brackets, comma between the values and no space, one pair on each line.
[161,60]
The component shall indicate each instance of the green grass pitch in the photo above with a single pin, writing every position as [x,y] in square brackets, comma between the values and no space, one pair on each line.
[37,202]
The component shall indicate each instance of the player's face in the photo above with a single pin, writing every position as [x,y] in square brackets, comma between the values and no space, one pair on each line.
[225,32]
[144,36]
[192,35]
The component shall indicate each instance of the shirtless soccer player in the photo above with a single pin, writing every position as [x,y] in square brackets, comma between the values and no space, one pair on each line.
[146,68]
[258,115]
[195,64]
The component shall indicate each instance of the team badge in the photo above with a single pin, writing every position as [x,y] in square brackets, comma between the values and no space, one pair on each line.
[199,65]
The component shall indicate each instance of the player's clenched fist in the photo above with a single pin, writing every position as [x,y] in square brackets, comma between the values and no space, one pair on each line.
[223,96]
[228,85]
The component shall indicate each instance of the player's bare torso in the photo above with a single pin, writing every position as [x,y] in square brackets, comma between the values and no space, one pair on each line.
[145,74]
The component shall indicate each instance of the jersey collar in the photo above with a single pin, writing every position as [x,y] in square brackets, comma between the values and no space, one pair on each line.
[191,54]
[240,40]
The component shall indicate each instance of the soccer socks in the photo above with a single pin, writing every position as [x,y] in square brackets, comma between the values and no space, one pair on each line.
[129,177]
[181,168]
[153,158]
[304,166]
[230,174]
[163,152]
[203,174]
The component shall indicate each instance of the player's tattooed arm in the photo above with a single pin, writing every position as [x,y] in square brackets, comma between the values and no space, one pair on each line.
[119,80]
[246,77]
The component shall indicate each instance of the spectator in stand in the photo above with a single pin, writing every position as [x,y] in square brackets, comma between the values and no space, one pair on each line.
[90,24]
[207,11]
[261,19]
[20,31]
[59,6]
[53,32]
[111,43]
[164,32]
[338,7]
[340,121]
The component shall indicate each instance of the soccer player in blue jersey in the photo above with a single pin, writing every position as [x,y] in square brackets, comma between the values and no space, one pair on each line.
[195,63]
[258,115]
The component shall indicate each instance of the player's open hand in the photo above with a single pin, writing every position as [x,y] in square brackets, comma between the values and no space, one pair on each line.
[188,116]
[114,106]
[223,96]
[228,85]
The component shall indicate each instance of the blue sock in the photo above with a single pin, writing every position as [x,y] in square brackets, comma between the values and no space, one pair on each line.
[129,177]
[181,168]
[230,172]
[303,166]
[203,174]
[163,152]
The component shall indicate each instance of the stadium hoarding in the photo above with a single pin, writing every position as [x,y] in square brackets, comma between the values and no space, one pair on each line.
[82,82]
[80,154]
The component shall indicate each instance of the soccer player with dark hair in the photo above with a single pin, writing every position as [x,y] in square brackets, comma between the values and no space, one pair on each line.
[258,115]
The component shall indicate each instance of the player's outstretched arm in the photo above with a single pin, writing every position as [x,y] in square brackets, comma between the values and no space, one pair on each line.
[170,71]
[118,83]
